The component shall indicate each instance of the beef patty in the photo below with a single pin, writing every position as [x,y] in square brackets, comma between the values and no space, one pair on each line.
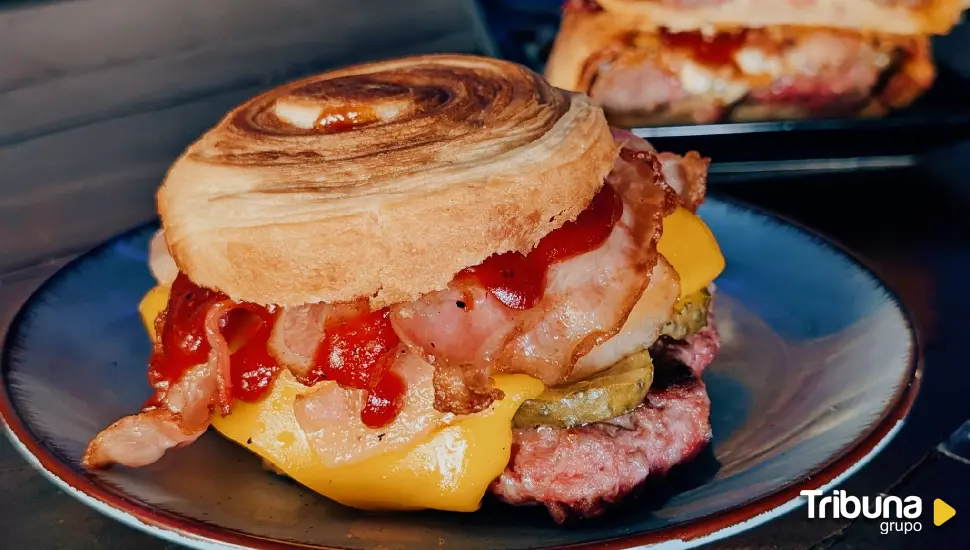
[580,472]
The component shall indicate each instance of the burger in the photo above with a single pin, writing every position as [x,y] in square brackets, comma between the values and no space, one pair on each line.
[407,283]
[702,61]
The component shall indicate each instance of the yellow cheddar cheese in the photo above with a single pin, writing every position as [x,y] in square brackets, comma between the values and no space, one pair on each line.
[152,305]
[450,470]
[691,249]
[452,467]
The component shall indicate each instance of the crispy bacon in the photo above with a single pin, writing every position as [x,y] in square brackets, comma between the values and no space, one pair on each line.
[298,332]
[181,414]
[687,175]
[464,388]
[642,326]
[138,440]
[220,353]
[177,414]
[468,335]
[587,299]
[330,416]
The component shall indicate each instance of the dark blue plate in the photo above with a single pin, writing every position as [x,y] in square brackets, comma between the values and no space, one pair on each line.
[817,371]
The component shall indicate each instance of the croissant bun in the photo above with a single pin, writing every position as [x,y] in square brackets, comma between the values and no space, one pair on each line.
[381,180]
[907,17]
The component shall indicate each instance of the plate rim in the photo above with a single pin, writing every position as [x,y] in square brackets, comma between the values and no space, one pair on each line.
[196,533]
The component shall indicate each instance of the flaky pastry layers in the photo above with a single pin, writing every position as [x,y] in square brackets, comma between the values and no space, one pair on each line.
[883,16]
[381,180]
[642,75]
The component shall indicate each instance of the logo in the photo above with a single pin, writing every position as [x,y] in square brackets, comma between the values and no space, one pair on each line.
[897,514]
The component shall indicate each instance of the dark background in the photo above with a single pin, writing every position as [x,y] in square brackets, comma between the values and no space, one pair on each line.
[97,97]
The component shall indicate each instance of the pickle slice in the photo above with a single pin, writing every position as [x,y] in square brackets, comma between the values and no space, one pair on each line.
[611,393]
[690,315]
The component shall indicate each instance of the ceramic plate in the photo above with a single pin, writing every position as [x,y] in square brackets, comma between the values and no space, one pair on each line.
[817,371]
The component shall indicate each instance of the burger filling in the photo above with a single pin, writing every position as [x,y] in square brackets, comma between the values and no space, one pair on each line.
[411,406]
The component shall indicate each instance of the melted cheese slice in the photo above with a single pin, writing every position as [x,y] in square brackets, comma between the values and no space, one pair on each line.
[688,244]
[152,304]
[451,468]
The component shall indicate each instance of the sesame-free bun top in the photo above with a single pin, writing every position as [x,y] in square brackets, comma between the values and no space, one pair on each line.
[381,180]
[883,16]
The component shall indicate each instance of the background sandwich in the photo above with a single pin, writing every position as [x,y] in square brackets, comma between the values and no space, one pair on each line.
[407,282]
[656,62]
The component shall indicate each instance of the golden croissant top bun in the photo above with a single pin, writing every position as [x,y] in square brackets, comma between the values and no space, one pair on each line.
[381,180]
[906,17]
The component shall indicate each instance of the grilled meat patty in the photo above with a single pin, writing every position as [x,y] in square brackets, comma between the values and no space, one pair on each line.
[579,472]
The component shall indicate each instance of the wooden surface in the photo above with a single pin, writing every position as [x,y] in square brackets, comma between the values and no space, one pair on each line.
[97,97]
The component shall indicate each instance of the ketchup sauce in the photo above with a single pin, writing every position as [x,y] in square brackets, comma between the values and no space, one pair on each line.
[519,281]
[354,352]
[358,353]
[183,343]
[384,401]
[252,368]
[713,51]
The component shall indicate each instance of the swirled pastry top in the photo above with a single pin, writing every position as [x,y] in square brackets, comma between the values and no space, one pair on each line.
[381,180]
[906,17]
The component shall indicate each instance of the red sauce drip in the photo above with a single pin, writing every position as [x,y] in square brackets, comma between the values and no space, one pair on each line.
[384,401]
[519,281]
[252,369]
[715,51]
[183,342]
[358,353]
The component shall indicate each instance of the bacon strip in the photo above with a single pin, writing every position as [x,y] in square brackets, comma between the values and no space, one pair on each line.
[687,175]
[220,353]
[330,416]
[586,300]
[468,335]
[179,414]
[182,415]
[298,332]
